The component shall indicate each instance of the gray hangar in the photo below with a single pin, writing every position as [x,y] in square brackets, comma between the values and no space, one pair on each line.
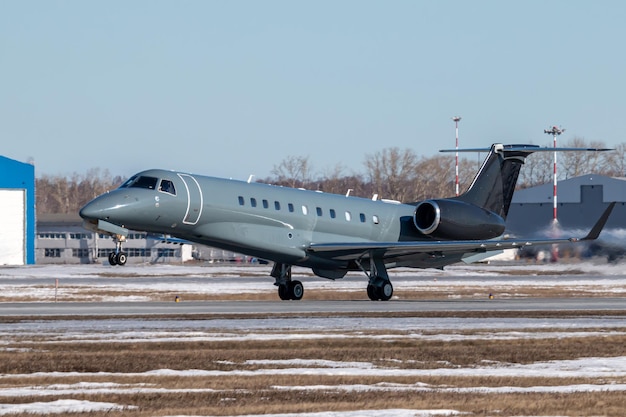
[580,202]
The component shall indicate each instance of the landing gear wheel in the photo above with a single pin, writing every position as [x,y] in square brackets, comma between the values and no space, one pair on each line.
[371,292]
[291,290]
[385,291]
[283,291]
[381,289]
[296,290]
[112,260]
[120,258]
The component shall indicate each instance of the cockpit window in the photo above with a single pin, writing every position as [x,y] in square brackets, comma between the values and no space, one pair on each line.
[141,182]
[167,186]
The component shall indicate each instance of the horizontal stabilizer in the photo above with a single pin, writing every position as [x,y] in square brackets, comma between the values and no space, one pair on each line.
[528,148]
[597,228]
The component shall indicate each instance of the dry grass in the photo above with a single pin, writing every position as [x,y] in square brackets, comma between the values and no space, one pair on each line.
[246,394]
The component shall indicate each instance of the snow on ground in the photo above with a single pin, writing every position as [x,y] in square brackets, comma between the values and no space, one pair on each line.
[60,407]
[255,270]
[577,368]
[139,282]
[75,406]
[584,368]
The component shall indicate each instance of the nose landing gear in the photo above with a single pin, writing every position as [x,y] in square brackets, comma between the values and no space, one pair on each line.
[118,257]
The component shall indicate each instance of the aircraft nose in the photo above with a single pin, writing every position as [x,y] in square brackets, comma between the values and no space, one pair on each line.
[90,211]
[102,207]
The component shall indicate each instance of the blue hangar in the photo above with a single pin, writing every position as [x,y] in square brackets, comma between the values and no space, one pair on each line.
[17,212]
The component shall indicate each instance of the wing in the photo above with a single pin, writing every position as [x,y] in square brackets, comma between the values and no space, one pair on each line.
[168,239]
[386,250]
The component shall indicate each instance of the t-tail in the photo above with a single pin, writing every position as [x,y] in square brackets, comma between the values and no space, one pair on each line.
[494,184]
[480,212]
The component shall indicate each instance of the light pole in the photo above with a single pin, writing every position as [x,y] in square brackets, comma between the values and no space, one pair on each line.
[554,131]
[456,120]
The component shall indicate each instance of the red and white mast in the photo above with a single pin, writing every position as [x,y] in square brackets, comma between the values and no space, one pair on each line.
[456,119]
[554,131]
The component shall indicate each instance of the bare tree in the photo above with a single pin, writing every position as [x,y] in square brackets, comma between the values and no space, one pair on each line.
[294,171]
[538,169]
[615,161]
[58,194]
[575,164]
[392,172]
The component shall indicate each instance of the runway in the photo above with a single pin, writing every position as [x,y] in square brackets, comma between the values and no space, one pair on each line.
[264,308]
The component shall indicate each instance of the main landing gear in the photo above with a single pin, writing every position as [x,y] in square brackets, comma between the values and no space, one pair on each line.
[288,289]
[379,286]
[118,257]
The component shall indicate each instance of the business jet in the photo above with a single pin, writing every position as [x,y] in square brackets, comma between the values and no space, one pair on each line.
[329,233]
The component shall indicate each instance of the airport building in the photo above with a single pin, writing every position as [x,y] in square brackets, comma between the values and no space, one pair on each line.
[62,239]
[17,212]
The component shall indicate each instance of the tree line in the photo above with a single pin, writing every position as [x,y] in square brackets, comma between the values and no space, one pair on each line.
[391,173]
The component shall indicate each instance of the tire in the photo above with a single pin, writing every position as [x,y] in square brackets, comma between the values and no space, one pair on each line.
[112,260]
[121,258]
[371,292]
[385,291]
[296,290]
[381,289]
[283,292]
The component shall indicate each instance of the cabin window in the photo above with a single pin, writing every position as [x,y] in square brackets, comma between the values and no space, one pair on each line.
[348,216]
[265,204]
[167,186]
[375,219]
[290,206]
[253,202]
[332,213]
[362,217]
[241,201]
[141,182]
[319,211]
[277,205]
[305,210]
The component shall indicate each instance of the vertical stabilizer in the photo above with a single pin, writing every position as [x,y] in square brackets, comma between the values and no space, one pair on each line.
[494,184]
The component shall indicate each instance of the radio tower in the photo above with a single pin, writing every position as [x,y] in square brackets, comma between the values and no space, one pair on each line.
[456,120]
[554,131]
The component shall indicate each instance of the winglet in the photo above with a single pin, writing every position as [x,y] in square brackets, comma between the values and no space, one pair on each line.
[597,228]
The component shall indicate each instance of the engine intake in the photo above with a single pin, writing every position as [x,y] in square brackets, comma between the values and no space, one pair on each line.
[449,219]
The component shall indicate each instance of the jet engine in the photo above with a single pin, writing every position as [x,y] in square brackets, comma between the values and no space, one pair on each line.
[449,219]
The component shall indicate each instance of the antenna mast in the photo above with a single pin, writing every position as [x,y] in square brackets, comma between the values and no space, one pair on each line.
[554,131]
[456,120]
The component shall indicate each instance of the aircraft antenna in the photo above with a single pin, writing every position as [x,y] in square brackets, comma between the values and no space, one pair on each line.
[554,131]
[456,120]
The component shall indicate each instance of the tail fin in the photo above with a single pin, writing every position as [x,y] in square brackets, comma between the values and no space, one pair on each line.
[494,184]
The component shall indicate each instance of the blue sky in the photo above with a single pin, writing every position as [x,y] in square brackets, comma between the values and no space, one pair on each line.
[231,88]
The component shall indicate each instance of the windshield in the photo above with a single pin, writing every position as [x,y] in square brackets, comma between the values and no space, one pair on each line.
[141,182]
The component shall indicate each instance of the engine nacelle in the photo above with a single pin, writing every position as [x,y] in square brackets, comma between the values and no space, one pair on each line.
[447,219]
